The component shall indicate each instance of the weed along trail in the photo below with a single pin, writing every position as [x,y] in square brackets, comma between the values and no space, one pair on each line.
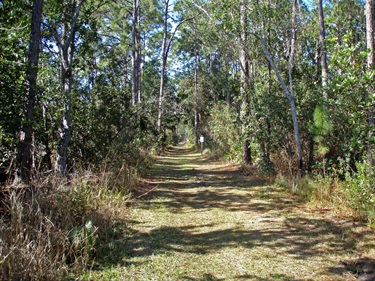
[208,221]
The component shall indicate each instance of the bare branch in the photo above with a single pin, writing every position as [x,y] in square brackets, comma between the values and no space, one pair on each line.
[174,33]
[202,9]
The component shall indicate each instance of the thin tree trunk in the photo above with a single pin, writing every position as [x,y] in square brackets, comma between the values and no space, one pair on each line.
[291,89]
[196,117]
[164,57]
[166,46]
[323,57]
[370,65]
[26,138]
[65,129]
[46,136]
[245,106]
[136,54]
[269,86]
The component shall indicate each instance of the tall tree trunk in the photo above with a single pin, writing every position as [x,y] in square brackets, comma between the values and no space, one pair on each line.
[136,54]
[66,46]
[196,117]
[65,129]
[164,57]
[213,93]
[370,65]
[323,57]
[265,150]
[46,139]
[245,106]
[166,46]
[291,89]
[26,138]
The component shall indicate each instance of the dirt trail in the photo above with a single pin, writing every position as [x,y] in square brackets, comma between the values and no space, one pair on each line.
[208,221]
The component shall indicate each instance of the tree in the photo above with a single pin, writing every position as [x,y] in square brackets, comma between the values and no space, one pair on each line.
[26,137]
[370,65]
[166,46]
[196,113]
[64,34]
[164,57]
[287,90]
[136,53]
[245,78]
[323,57]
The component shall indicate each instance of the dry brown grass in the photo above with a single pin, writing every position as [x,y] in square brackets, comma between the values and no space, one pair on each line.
[53,232]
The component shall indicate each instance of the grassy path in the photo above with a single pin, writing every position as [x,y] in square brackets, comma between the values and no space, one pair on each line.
[207,221]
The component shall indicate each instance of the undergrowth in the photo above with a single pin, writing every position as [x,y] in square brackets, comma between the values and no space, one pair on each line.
[56,231]
[352,196]
[360,188]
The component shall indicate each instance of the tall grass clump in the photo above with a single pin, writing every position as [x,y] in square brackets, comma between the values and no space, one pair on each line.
[40,238]
[26,236]
[53,232]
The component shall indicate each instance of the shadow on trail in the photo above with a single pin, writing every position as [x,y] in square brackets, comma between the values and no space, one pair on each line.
[183,180]
[299,238]
[210,277]
[183,202]
[291,239]
[183,186]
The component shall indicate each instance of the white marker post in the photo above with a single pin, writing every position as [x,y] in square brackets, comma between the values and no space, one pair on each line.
[201,140]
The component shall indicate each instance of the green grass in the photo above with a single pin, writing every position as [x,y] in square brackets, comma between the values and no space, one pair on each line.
[208,221]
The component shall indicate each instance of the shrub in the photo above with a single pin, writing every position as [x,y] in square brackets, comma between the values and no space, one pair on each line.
[361,191]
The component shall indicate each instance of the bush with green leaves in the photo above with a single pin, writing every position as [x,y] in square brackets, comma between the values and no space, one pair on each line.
[361,192]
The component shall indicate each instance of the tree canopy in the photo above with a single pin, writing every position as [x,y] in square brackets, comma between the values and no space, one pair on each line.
[286,85]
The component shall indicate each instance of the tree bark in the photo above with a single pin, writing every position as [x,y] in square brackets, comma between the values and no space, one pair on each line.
[164,57]
[66,46]
[196,117]
[26,138]
[370,66]
[245,106]
[136,54]
[323,57]
[65,128]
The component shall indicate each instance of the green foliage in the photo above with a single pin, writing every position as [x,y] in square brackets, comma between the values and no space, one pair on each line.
[112,137]
[14,31]
[224,132]
[321,128]
[361,190]
[349,107]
